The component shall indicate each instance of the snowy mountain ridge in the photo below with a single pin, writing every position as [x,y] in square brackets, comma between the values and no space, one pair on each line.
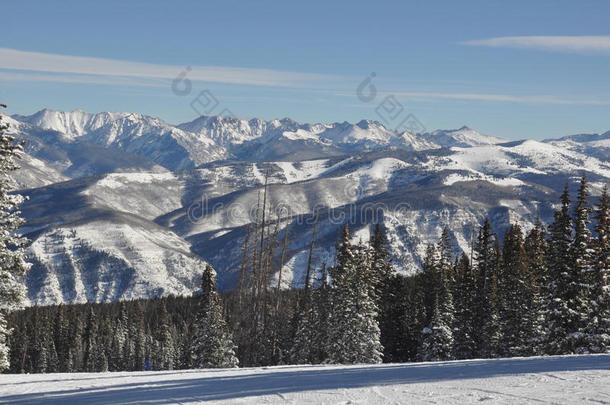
[211,138]
[126,206]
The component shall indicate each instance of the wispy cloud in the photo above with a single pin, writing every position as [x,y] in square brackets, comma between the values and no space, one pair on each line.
[507,98]
[535,99]
[110,68]
[575,44]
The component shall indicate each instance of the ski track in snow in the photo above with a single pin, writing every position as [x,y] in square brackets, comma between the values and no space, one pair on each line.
[550,380]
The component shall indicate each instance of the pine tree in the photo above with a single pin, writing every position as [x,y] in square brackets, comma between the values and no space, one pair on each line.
[512,294]
[464,295]
[598,329]
[12,264]
[437,337]
[164,353]
[60,338]
[559,321]
[430,280]
[582,275]
[354,330]
[212,346]
[91,348]
[533,319]
[302,350]
[394,320]
[486,297]
[386,291]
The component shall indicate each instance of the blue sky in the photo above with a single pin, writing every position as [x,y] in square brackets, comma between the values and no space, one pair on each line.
[530,69]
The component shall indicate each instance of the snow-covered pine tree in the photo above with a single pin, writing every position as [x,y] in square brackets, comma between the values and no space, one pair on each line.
[430,280]
[532,321]
[487,255]
[353,328]
[437,337]
[559,321]
[582,275]
[464,294]
[164,353]
[301,351]
[512,294]
[12,264]
[387,294]
[212,345]
[598,329]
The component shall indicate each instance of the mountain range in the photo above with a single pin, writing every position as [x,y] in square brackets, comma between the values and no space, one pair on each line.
[124,205]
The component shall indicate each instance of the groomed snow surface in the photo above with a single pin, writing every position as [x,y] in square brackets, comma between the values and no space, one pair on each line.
[549,380]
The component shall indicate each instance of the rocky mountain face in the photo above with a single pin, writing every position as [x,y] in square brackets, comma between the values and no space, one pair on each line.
[124,206]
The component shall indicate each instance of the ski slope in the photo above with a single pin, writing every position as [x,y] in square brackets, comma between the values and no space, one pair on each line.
[559,379]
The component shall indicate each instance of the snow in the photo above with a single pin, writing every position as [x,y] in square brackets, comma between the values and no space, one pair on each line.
[308,169]
[560,379]
[300,134]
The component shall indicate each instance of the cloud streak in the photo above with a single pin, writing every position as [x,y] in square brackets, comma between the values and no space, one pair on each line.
[109,68]
[536,99]
[572,44]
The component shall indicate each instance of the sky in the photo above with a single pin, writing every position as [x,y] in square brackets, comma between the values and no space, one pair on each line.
[518,69]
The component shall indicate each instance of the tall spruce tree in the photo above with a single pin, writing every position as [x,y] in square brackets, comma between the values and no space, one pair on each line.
[487,256]
[464,297]
[164,354]
[437,336]
[560,321]
[513,294]
[212,345]
[12,264]
[582,275]
[354,330]
[430,280]
[532,321]
[598,329]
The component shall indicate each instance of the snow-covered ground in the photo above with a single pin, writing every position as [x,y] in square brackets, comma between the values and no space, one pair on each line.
[560,379]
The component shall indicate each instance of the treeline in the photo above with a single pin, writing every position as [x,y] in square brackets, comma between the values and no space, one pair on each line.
[543,292]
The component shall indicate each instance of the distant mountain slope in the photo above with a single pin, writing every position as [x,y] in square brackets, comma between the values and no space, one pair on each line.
[124,205]
[208,139]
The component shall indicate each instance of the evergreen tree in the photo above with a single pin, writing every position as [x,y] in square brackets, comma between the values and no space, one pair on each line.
[598,329]
[430,280]
[12,264]
[60,338]
[560,321]
[394,320]
[164,343]
[512,291]
[533,319]
[437,338]
[464,295]
[92,356]
[302,350]
[212,346]
[486,323]
[582,275]
[354,330]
